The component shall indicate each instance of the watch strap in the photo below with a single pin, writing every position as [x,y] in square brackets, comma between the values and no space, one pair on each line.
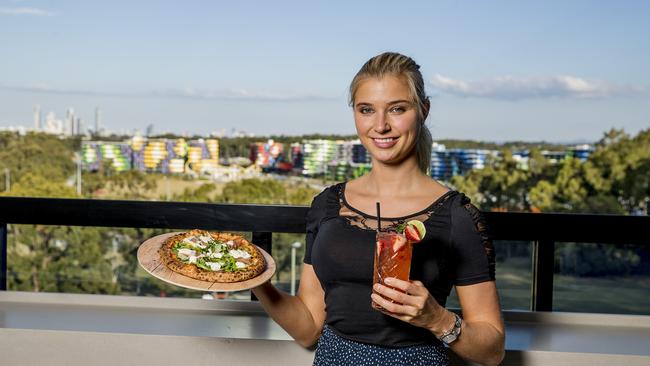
[452,334]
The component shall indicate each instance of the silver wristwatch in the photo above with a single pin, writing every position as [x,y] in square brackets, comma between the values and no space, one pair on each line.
[453,333]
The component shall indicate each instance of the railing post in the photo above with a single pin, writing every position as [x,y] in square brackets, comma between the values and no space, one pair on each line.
[3,257]
[263,240]
[541,298]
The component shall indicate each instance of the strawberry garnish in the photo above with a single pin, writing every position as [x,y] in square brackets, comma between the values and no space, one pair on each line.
[398,243]
[412,234]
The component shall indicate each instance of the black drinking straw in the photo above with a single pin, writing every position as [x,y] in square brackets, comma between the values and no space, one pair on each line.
[378,218]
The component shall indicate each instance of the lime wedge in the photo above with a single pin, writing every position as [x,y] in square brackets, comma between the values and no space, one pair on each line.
[419,226]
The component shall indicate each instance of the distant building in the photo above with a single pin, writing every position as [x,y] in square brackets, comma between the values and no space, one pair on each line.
[79,127]
[581,152]
[445,163]
[53,125]
[156,155]
[317,154]
[69,121]
[98,119]
[37,117]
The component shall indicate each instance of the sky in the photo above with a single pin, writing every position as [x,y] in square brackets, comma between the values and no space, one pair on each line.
[557,71]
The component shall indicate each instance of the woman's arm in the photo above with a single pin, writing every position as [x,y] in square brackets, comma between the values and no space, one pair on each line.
[303,315]
[482,333]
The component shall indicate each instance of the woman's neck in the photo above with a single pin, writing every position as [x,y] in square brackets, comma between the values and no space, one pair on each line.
[389,180]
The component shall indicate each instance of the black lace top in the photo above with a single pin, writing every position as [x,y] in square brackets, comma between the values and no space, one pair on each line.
[340,245]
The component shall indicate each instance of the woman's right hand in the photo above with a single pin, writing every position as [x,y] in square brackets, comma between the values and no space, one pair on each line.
[303,315]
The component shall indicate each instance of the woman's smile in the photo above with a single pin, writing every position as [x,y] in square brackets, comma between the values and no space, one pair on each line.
[385,142]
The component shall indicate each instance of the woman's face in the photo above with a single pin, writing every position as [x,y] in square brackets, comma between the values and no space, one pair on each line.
[386,118]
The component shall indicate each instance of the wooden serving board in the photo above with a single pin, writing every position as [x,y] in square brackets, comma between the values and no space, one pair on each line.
[149,259]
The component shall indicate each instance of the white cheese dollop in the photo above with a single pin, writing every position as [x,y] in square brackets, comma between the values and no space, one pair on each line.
[240,265]
[215,266]
[205,238]
[236,253]
[216,255]
[193,244]
[185,253]
[193,259]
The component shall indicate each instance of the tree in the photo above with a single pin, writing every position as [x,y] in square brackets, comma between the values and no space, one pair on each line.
[266,191]
[205,193]
[59,259]
[501,185]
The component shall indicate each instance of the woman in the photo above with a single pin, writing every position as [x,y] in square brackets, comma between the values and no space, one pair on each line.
[333,305]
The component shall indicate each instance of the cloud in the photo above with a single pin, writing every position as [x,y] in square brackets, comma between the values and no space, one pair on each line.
[511,88]
[238,94]
[46,89]
[26,11]
[185,93]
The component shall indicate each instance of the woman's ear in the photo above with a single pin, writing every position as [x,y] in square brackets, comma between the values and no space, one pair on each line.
[426,108]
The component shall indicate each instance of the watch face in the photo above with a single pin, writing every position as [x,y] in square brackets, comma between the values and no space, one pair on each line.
[449,338]
[454,333]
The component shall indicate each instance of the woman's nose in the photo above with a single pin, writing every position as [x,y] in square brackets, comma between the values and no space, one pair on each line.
[381,123]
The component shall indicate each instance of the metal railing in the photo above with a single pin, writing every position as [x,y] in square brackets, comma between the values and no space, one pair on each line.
[543,230]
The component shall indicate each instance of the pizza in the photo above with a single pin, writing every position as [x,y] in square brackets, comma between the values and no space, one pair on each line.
[212,256]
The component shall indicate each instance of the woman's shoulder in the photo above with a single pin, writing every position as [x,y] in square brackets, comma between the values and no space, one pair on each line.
[461,206]
[466,216]
[325,204]
[328,195]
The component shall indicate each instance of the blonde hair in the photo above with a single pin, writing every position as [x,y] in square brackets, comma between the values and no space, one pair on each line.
[391,63]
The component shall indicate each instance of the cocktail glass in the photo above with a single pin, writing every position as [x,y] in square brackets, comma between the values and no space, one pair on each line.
[392,257]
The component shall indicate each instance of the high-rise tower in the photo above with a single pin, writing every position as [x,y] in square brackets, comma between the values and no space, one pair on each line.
[69,119]
[98,117]
[37,117]
[79,127]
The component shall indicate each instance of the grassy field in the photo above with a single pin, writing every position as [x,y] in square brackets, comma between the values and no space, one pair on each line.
[619,295]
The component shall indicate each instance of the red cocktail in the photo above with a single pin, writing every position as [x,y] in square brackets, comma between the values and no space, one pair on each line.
[392,257]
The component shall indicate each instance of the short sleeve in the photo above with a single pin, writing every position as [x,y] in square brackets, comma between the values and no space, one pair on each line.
[471,243]
[315,215]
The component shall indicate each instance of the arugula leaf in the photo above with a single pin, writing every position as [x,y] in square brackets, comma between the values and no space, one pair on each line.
[215,246]
[230,264]
[400,228]
[200,262]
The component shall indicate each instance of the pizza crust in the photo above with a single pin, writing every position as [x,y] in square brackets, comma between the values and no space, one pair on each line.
[256,266]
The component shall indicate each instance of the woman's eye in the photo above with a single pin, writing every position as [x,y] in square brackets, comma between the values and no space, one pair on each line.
[397,109]
[365,110]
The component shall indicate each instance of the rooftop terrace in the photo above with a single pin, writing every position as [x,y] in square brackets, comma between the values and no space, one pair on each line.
[73,329]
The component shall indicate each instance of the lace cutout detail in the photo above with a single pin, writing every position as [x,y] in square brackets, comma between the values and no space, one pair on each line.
[363,221]
[484,232]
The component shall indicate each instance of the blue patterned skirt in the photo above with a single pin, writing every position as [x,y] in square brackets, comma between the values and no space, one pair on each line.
[334,350]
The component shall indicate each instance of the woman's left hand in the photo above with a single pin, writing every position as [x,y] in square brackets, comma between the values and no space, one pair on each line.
[414,305]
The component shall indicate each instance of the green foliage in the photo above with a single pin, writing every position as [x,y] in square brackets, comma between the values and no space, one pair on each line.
[39,164]
[500,185]
[130,184]
[30,184]
[59,259]
[265,191]
[615,179]
[596,259]
[511,145]
[254,191]
[39,153]
[205,193]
